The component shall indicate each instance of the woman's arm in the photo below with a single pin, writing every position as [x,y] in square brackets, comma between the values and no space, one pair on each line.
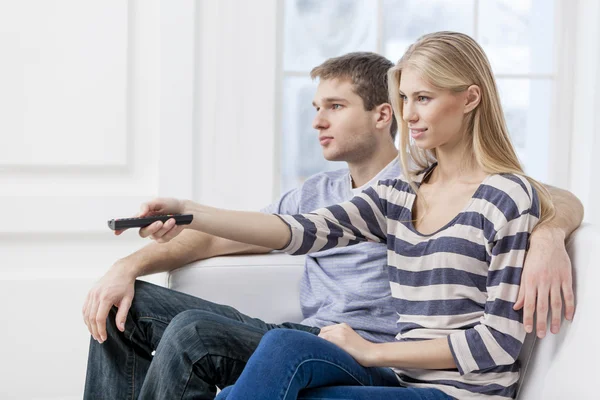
[247,227]
[426,354]
[358,220]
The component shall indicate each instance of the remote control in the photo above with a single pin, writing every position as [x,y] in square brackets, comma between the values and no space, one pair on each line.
[124,223]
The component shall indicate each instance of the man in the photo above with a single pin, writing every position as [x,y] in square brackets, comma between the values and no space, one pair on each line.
[205,345]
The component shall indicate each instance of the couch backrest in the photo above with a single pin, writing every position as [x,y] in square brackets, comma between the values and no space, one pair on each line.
[565,365]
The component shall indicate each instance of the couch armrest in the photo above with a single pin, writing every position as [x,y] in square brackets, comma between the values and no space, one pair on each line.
[264,286]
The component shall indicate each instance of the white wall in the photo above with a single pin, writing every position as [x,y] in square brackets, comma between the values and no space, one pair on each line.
[585,129]
[106,104]
[102,105]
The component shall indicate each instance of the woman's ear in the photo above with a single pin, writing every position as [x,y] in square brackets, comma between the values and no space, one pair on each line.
[384,115]
[473,98]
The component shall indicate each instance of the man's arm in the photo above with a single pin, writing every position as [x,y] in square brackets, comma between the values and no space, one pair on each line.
[185,248]
[117,285]
[547,270]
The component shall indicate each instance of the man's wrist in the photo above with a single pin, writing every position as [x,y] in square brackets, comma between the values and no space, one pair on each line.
[549,233]
[127,267]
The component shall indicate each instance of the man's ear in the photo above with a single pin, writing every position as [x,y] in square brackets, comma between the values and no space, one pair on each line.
[473,98]
[384,115]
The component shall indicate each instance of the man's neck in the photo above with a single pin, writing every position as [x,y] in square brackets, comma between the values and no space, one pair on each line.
[363,171]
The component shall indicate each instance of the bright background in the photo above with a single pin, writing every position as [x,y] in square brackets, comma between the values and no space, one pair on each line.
[109,103]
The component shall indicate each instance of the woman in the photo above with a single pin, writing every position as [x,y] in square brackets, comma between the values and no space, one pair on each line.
[456,225]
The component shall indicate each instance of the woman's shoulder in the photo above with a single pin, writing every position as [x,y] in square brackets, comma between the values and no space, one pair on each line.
[510,192]
[403,181]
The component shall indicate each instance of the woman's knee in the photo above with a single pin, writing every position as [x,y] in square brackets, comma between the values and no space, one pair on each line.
[287,342]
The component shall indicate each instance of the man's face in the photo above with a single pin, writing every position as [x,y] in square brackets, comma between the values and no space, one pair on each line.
[346,130]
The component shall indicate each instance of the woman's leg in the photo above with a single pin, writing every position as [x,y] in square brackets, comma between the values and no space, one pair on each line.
[372,393]
[287,362]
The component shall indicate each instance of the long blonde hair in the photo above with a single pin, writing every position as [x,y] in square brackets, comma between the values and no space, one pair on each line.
[454,61]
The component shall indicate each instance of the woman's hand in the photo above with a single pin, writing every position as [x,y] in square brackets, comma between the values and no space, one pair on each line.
[159,231]
[343,336]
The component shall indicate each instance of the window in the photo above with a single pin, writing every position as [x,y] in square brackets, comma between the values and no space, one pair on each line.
[517,35]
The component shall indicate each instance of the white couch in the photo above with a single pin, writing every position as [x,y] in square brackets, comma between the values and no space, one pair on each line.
[562,366]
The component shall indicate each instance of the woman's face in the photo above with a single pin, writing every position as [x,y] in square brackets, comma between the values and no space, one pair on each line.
[434,116]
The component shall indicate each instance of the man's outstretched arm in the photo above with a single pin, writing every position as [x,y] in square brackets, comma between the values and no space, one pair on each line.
[547,270]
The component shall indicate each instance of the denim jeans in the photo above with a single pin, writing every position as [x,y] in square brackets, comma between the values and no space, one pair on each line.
[199,345]
[289,365]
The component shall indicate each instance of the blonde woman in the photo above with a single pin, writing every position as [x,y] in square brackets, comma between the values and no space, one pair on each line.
[456,225]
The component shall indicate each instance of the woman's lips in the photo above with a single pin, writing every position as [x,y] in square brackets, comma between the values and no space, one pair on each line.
[417,133]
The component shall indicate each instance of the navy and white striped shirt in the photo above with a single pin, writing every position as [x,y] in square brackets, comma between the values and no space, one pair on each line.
[459,283]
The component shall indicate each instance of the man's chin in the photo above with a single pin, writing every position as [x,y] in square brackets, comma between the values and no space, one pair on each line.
[333,156]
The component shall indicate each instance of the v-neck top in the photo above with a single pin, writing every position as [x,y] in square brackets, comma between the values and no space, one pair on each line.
[459,283]
[411,205]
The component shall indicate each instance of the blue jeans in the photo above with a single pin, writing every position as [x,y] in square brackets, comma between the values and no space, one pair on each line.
[199,345]
[289,365]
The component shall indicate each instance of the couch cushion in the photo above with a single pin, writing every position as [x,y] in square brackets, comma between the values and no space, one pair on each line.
[248,283]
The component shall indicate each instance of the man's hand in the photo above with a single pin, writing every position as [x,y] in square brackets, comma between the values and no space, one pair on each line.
[115,288]
[547,272]
[159,231]
[343,336]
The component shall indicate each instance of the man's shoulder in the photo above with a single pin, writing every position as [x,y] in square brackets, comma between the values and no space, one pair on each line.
[338,175]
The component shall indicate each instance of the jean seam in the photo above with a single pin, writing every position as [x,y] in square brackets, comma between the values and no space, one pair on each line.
[145,317]
[320,360]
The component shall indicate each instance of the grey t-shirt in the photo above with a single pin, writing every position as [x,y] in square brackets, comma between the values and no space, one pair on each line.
[349,284]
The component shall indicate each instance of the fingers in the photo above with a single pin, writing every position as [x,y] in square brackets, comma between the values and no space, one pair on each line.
[556,308]
[86,307]
[520,298]
[567,290]
[91,320]
[166,227]
[122,313]
[100,319]
[528,310]
[542,310]
[150,229]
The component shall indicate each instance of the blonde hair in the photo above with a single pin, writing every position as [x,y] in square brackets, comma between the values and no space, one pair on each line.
[454,61]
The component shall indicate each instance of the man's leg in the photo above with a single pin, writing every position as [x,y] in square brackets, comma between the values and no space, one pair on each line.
[118,367]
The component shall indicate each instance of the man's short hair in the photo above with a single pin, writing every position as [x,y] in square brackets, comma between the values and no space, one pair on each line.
[368,73]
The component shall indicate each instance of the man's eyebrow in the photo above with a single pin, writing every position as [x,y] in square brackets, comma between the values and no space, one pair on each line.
[329,100]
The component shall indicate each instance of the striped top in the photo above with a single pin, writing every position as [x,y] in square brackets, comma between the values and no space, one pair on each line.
[459,283]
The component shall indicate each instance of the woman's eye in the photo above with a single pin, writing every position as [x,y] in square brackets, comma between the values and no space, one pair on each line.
[403,98]
[423,99]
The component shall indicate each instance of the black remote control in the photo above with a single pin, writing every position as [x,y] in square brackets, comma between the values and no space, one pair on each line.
[124,223]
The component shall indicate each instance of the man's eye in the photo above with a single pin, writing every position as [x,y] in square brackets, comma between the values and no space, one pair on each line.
[403,98]
[336,106]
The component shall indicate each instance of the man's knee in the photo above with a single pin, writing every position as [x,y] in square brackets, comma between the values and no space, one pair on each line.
[195,325]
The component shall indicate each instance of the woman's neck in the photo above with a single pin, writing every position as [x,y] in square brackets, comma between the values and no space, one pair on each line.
[456,165]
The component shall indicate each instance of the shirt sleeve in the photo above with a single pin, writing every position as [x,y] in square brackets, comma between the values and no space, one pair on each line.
[358,220]
[498,338]
[289,203]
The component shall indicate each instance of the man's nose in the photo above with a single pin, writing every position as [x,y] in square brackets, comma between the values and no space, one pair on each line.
[320,122]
